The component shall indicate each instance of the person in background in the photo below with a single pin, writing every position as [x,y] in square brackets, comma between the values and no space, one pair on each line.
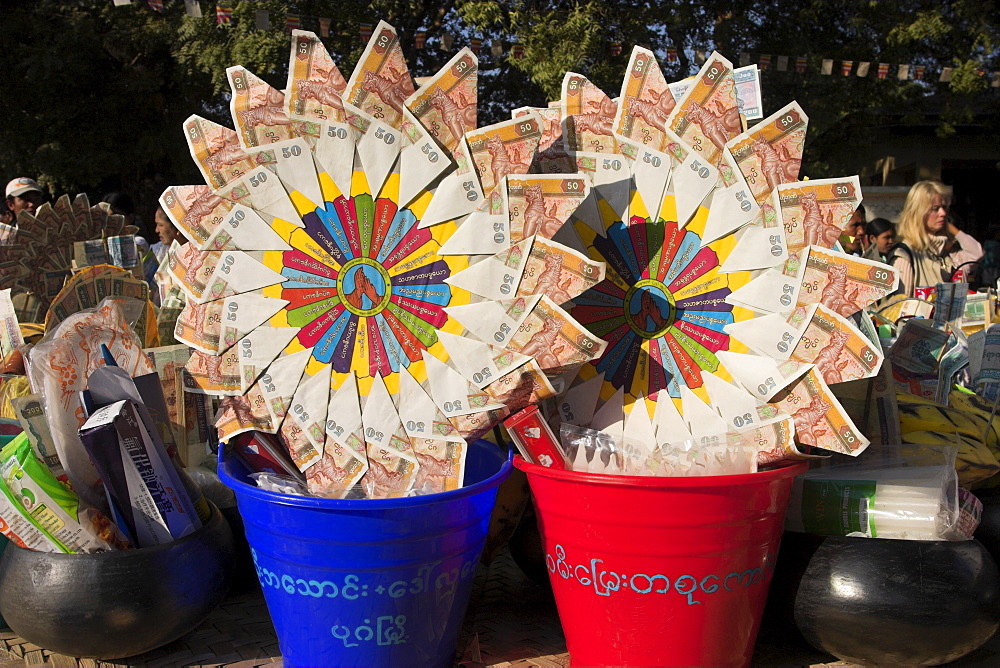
[23,194]
[855,228]
[930,246]
[878,239]
[6,215]
[166,232]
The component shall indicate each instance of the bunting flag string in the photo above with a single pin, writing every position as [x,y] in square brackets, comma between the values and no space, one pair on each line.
[223,13]
[446,42]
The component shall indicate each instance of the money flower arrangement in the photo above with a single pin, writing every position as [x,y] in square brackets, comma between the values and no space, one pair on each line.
[378,281]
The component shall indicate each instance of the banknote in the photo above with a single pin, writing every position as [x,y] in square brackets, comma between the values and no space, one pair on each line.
[280,380]
[473,426]
[559,272]
[551,156]
[588,116]
[381,83]
[748,92]
[315,85]
[338,471]
[645,102]
[816,212]
[243,413]
[81,212]
[843,283]
[839,350]
[123,251]
[919,347]
[442,464]
[446,103]
[301,451]
[309,406]
[949,302]
[31,414]
[771,152]
[708,115]
[540,205]
[773,439]
[820,420]
[196,211]
[217,151]
[169,362]
[199,326]
[521,387]
[89,253]
[554,339]
[258,110]
[213,374]
[192,269]
[504,149]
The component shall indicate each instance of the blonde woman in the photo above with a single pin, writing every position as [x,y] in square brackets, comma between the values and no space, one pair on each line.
[930,247]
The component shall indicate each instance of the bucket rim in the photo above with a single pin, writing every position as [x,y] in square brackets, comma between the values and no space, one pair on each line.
[784,470]
[320,503]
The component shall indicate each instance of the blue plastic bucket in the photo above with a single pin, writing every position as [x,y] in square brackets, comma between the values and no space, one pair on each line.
[369,582]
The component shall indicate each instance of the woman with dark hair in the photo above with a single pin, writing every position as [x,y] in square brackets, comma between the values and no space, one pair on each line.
[878,239]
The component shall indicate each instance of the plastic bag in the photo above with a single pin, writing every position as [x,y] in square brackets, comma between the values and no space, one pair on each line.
[911,494]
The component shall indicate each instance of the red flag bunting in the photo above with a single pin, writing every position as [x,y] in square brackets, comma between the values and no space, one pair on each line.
[517,51]
[671,55]
[366,32]
[800,64]
[616,48]
[156,5]
[292,22]
[764,61]
[475,44]
[324,27]
[918,72]
[845,67]
[223,13]
[883,70]
[420,38]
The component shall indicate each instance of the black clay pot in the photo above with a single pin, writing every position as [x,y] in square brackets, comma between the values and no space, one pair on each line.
[871,600]
[988,532]
[116,604]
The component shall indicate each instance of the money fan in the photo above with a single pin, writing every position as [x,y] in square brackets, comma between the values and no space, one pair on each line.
[36,257]
[697,343]
[327,270]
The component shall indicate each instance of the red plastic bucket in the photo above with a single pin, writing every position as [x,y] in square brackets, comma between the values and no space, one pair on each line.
[660,571]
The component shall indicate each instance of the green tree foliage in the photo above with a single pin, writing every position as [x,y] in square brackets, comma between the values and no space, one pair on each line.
[94,95]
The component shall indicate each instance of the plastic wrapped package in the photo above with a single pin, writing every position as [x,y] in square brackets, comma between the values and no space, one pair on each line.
[912,494]
[59,368]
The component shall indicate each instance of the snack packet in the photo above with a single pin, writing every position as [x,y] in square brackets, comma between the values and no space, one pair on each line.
[52,509]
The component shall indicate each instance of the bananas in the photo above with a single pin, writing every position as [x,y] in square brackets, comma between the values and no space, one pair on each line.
[962,424]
